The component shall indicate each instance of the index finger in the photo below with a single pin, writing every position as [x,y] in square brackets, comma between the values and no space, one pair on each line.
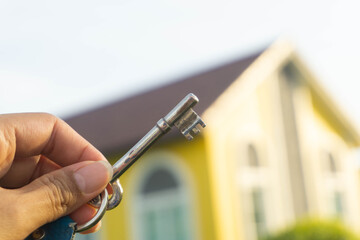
[30,134]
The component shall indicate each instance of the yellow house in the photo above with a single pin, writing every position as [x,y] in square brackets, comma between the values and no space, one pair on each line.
[276,148]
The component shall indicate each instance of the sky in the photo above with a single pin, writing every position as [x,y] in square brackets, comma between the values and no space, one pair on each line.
[66,57]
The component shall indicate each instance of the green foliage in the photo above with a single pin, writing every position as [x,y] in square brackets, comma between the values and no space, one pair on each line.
[311,229]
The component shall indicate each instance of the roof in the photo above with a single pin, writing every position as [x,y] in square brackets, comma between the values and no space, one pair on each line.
[119,125]
[270,62]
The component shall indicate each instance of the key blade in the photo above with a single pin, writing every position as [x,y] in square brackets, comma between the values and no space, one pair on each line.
[195,130]
[188,124]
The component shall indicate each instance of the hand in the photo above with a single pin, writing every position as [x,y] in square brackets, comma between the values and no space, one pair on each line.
[47,171]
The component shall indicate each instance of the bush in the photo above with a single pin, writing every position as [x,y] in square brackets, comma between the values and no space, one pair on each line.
[311,229]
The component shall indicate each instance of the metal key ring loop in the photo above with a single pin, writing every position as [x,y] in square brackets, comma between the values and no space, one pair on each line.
[114,200]
[98,216]
[116,196]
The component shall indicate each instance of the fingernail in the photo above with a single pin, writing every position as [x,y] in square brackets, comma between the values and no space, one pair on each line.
[93,177]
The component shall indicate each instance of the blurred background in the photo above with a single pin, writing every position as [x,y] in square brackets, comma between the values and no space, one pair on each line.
[77,54]
[90,61]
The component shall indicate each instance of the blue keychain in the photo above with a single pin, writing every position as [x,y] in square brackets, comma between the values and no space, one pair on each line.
[181,116]
[65,228]
[61,229]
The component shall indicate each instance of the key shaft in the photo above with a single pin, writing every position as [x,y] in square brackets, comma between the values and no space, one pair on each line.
[162,127]
[135,152]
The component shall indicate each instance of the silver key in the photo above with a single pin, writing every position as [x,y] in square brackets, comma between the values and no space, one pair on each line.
[182,116]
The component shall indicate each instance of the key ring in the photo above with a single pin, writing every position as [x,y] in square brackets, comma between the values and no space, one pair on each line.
[114,200]
[116,196]
[98,216]
[103,203]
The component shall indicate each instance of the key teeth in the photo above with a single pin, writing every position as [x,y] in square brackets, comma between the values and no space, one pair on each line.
[189,124]
[189,136]
[195,130]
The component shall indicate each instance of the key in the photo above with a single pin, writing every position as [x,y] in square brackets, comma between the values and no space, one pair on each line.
[182,116]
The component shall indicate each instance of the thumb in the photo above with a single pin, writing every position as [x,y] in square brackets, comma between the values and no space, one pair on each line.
[60,192]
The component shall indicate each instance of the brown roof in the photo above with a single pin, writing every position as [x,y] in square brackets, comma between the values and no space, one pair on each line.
[120,124]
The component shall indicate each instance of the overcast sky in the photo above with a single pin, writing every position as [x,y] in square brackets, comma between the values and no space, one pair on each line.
[68,56]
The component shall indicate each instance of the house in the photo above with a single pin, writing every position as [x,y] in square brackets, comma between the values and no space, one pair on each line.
[276,148]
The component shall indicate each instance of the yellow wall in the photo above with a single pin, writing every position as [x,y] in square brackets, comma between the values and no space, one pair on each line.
[233,126]
[321,135]
[118,222]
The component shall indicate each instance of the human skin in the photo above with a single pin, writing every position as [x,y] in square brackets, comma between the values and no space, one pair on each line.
[47,171]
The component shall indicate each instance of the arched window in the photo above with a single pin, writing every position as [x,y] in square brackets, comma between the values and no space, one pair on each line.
[163,212]
[253,158]
[332,163]
[159,180]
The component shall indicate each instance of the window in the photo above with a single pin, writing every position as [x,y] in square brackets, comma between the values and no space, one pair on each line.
[163,209]
[257,198]
[338,204]
[332,166]
[159,180]
[253,180]
[253,156]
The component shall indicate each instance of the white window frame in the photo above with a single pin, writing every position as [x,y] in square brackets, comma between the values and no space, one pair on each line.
[250,178]
[184,194]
